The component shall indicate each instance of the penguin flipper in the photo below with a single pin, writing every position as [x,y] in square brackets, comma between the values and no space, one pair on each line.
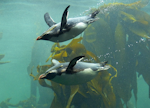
[64,19]
[55,62]
[49,21]
[73,63]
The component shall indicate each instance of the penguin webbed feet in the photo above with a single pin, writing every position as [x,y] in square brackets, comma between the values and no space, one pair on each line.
[104,63]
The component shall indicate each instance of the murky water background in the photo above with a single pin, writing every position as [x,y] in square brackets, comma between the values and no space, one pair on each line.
[21,22]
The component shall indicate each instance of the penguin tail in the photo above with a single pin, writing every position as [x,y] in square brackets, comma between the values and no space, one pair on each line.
[95,13]
[104,63]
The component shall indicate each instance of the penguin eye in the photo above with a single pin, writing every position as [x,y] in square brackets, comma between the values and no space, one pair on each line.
[50,76]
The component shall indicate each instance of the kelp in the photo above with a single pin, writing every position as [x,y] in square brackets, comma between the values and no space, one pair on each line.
[122,36]
[39,71]
[74,90]
[120,40]
[116,6]
[67,52]
[139,31]
[101,86]
[108,38]
[114,38]
[143,70]
[127,17]
[68,96]
[91,35]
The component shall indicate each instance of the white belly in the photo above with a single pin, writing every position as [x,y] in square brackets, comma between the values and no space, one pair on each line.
[75,31]
[76,78]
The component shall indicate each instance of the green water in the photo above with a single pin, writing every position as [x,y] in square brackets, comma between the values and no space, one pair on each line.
[21,22]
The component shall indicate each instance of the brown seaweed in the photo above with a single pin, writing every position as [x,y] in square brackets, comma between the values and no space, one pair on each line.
[118,21]
[126,23]
[65,96]
[67,52]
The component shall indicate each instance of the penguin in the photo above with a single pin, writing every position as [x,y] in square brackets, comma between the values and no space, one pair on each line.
[67,28]
[73,72]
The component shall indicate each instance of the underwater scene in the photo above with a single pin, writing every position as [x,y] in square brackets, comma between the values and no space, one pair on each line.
[74,54]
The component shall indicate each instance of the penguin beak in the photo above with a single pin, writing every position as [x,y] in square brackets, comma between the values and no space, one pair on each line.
[42,76]
[38,38]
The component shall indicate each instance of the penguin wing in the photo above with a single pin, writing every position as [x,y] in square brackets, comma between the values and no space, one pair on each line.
[64,19]
[55,62]
[49,21]
[72,63]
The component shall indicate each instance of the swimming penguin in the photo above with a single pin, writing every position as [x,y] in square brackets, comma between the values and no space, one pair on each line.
[67,28]
[73,73]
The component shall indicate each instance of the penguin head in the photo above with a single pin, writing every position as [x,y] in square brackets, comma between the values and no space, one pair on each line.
[48,75]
